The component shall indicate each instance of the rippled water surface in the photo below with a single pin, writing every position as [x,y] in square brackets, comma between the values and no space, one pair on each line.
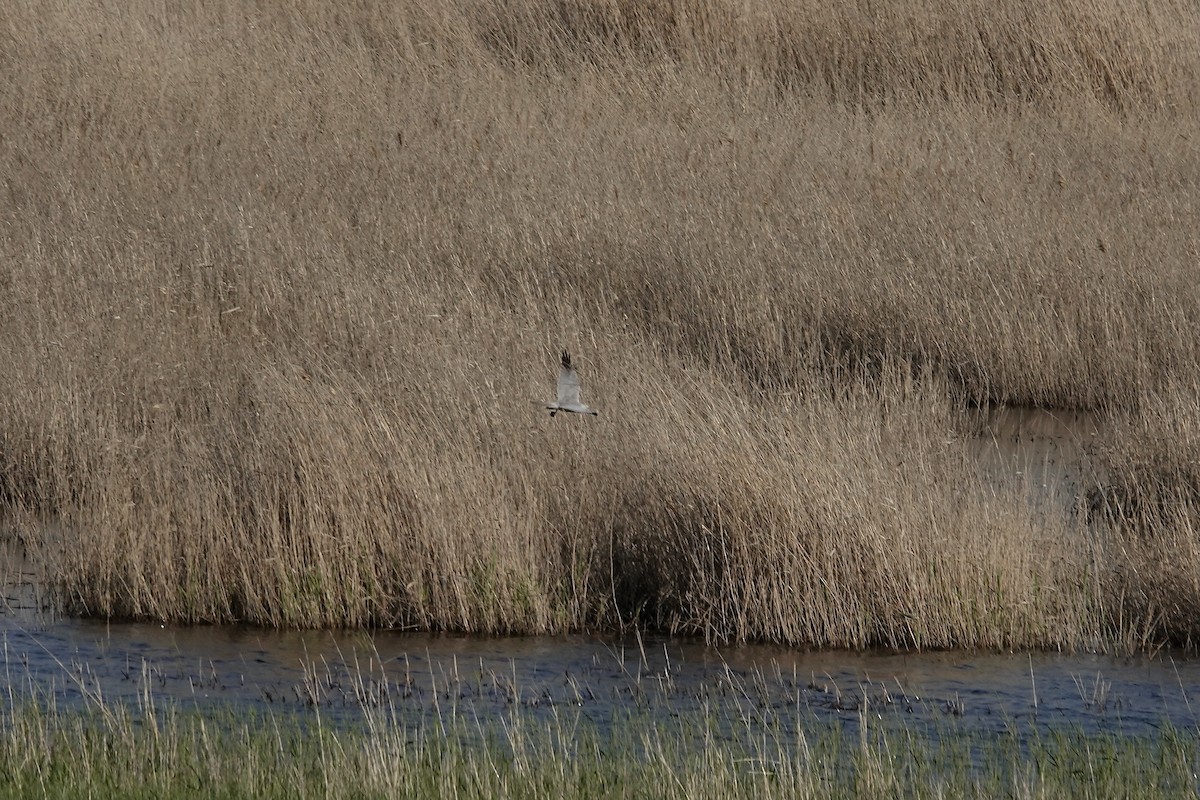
[343,675]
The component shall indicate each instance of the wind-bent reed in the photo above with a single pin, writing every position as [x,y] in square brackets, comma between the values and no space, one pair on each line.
[279,285]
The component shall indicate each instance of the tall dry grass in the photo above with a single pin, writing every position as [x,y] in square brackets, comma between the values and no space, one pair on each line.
[283,289]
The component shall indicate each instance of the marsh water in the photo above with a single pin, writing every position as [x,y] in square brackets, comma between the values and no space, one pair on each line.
[344,675]
[1051,455]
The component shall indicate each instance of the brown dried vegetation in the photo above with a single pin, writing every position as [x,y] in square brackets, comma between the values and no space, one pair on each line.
[283,289]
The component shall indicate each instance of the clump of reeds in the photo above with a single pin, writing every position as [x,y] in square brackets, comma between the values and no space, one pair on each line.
[1149,493]
[869,53]
[283,292]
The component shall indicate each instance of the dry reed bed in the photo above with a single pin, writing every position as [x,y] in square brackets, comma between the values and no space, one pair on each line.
[284,289]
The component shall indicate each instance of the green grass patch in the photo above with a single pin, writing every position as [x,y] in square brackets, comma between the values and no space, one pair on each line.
[165,753]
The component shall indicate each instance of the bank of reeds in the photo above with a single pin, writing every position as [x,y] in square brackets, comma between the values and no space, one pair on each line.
[283,289]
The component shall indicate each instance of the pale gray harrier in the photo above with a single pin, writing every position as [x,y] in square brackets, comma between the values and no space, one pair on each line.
[568,390]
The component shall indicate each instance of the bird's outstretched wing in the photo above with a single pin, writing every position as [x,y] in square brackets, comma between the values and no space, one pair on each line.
[568,390]
[568,383]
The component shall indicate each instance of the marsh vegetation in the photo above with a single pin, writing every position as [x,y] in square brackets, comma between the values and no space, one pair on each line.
[284,288]
[366,724]
[180,755]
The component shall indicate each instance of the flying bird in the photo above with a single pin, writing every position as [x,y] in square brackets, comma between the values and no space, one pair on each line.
[568,390]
